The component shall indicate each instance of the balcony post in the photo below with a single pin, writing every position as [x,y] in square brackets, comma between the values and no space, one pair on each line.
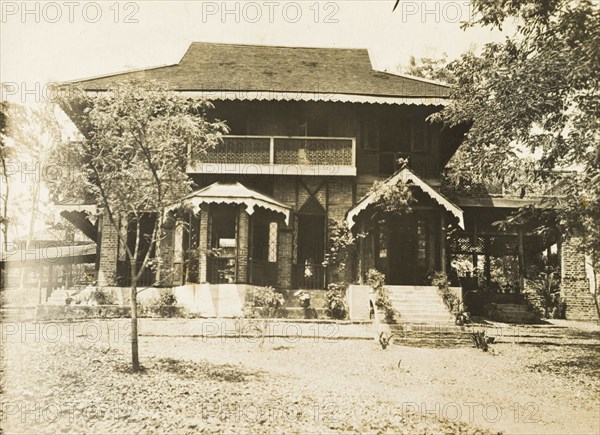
[354,152]
[272,150]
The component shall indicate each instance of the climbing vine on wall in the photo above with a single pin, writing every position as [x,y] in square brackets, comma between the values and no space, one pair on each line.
[342,244]
[393,198]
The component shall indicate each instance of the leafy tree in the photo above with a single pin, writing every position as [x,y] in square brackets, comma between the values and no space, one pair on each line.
[532,103]
[33,132]
[431,68]
[138,137]
[4,155]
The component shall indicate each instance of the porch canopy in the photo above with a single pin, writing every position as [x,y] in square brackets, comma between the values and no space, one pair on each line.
[50,255]
[234,193]
[407,176]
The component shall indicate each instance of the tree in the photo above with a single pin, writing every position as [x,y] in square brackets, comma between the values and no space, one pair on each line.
[34,132]
[138,137]
[5,153]
[431,69]
[532,102]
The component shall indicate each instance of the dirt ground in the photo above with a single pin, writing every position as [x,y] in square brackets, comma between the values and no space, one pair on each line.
[67,379]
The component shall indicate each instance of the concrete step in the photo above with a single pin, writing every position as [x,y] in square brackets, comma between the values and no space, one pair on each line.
[430,301]
[426,318]
[300,313]
[57,297]
[419,305]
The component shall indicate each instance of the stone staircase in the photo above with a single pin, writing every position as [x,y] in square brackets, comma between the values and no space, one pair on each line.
[57,297]
[419,304]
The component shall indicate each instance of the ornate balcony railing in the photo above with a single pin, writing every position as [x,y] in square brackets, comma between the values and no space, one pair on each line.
[279,155]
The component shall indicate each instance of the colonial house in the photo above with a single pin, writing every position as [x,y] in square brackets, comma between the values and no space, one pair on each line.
[311,130]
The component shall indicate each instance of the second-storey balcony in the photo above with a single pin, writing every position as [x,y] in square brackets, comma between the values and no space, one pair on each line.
[279,155]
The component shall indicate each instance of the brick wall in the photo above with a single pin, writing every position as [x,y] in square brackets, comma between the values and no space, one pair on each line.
[203,243]
[284,190]
[575,285]
[340,197]
[109,243]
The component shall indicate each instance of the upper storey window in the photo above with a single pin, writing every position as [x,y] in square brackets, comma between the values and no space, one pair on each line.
[424,136]
[370,133]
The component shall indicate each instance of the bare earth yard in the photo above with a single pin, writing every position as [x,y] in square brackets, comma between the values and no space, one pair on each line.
[63,379]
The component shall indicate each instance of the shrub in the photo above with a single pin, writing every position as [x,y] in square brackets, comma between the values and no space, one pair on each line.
[545,295]
[163,305]
[452,302]
[341,245]
[103,297]
[335,301]
[266,299]
[376,280]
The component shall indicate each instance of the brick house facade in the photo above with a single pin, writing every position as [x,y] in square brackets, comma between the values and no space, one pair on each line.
[311,130]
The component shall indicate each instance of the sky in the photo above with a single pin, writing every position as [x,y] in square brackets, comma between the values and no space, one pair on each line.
[44,42]
[52,41]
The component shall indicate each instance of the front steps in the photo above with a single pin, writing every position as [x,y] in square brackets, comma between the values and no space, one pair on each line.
[58,297]
[511,313]
[419,304]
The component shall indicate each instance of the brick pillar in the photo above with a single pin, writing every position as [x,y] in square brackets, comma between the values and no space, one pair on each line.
[166,257]
[284,259]
[109,243]
[575,284]
[242,246]
[203,243]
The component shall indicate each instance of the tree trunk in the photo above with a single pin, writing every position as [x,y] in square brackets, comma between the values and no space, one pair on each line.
[135,359]
[5,198]
[34,207]
[595,294]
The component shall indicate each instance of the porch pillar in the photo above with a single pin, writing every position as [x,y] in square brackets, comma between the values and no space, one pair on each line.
[166,270]
[361,253]
[50,283]
[487,267]
[109,244]
[203,243]
[521,261]
[474,244]
[284,258]
[242,246]
[443,242]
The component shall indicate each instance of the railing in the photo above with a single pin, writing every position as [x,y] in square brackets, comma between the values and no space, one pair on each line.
[263,273]
[279,155]
[220,270]
[123,277]
[309,277]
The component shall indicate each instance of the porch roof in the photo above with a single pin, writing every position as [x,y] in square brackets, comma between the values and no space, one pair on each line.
[50,255]
[406,175]
[234,193]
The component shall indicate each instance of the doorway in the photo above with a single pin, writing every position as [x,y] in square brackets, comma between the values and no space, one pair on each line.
[310,273]
[222,230]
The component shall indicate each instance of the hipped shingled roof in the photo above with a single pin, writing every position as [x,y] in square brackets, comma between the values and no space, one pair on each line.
[229,71]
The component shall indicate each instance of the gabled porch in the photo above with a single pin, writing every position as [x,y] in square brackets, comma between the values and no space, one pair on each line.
[406,247]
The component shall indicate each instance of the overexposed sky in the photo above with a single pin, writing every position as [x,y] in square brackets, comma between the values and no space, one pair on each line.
[43,42]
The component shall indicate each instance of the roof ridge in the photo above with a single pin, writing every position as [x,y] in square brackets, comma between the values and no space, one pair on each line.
[117,73]
[411,77]
[241,44]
